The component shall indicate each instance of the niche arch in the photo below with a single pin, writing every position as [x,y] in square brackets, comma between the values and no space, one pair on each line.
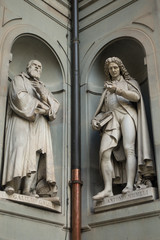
[24,47]
[27,47]
[129,50]
[9,37]
[133,54]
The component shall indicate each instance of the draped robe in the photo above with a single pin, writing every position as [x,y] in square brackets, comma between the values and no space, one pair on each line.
[27,132]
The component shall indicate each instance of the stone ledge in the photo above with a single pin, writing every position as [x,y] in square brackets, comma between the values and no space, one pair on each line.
[124,200]
[32,201]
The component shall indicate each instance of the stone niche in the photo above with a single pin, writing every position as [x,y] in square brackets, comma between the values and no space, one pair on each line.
[132,54]
[24,49]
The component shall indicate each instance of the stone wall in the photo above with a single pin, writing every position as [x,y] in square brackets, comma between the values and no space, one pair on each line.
[41,29]
[38,30]
[130,31]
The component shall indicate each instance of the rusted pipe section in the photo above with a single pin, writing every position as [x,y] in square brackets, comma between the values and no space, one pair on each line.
[76,204]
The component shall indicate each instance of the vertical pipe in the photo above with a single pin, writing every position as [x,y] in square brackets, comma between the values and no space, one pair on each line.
[75,91]
[75,126]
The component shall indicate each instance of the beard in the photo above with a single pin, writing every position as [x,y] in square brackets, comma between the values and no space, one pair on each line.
[34,74]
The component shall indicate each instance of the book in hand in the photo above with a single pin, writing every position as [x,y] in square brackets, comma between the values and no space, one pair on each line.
[105,119]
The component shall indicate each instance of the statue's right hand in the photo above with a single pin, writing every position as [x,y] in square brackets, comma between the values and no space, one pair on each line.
[95,125]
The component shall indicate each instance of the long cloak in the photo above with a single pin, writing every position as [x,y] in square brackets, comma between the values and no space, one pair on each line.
[145,165]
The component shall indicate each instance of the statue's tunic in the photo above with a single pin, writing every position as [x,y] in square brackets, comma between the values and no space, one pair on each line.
[118,106]
[26,131]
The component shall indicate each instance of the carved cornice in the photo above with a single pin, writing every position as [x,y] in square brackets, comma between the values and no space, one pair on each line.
[65,3]
[104,9]
[123,215]
[85,3]
[50,9]
[60,6]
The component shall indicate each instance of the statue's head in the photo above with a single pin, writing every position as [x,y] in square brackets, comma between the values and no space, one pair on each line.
[34,69]
[121,68]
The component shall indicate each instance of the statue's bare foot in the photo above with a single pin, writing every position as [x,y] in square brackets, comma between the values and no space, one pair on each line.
[102,195]
[9,190]
[127,190]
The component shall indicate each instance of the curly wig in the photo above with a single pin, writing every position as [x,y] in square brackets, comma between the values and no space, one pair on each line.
[123,70]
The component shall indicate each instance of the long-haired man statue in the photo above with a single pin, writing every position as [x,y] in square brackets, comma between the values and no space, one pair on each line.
[121,118]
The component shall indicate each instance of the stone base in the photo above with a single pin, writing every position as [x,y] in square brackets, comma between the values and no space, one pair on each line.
[124,200]
[52,204]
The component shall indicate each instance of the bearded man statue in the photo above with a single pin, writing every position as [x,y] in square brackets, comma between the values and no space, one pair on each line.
[28,138]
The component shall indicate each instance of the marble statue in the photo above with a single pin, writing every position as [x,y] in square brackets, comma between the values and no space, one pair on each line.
[125,151]
[28,157]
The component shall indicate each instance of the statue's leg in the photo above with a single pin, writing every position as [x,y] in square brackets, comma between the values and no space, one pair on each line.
[129,136]
[107,145]
[30,181]
[107,173]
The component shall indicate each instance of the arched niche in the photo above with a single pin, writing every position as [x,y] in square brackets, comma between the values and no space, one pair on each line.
[133,55]
[129,50]
[28,47]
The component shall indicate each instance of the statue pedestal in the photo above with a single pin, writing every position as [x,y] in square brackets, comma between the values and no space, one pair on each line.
[124,200]
[53,204]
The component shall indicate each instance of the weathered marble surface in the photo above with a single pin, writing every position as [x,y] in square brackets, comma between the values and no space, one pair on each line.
[121,200]
[53,204]
[28,151]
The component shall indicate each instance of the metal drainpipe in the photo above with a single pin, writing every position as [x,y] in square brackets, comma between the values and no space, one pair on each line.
[75,125]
